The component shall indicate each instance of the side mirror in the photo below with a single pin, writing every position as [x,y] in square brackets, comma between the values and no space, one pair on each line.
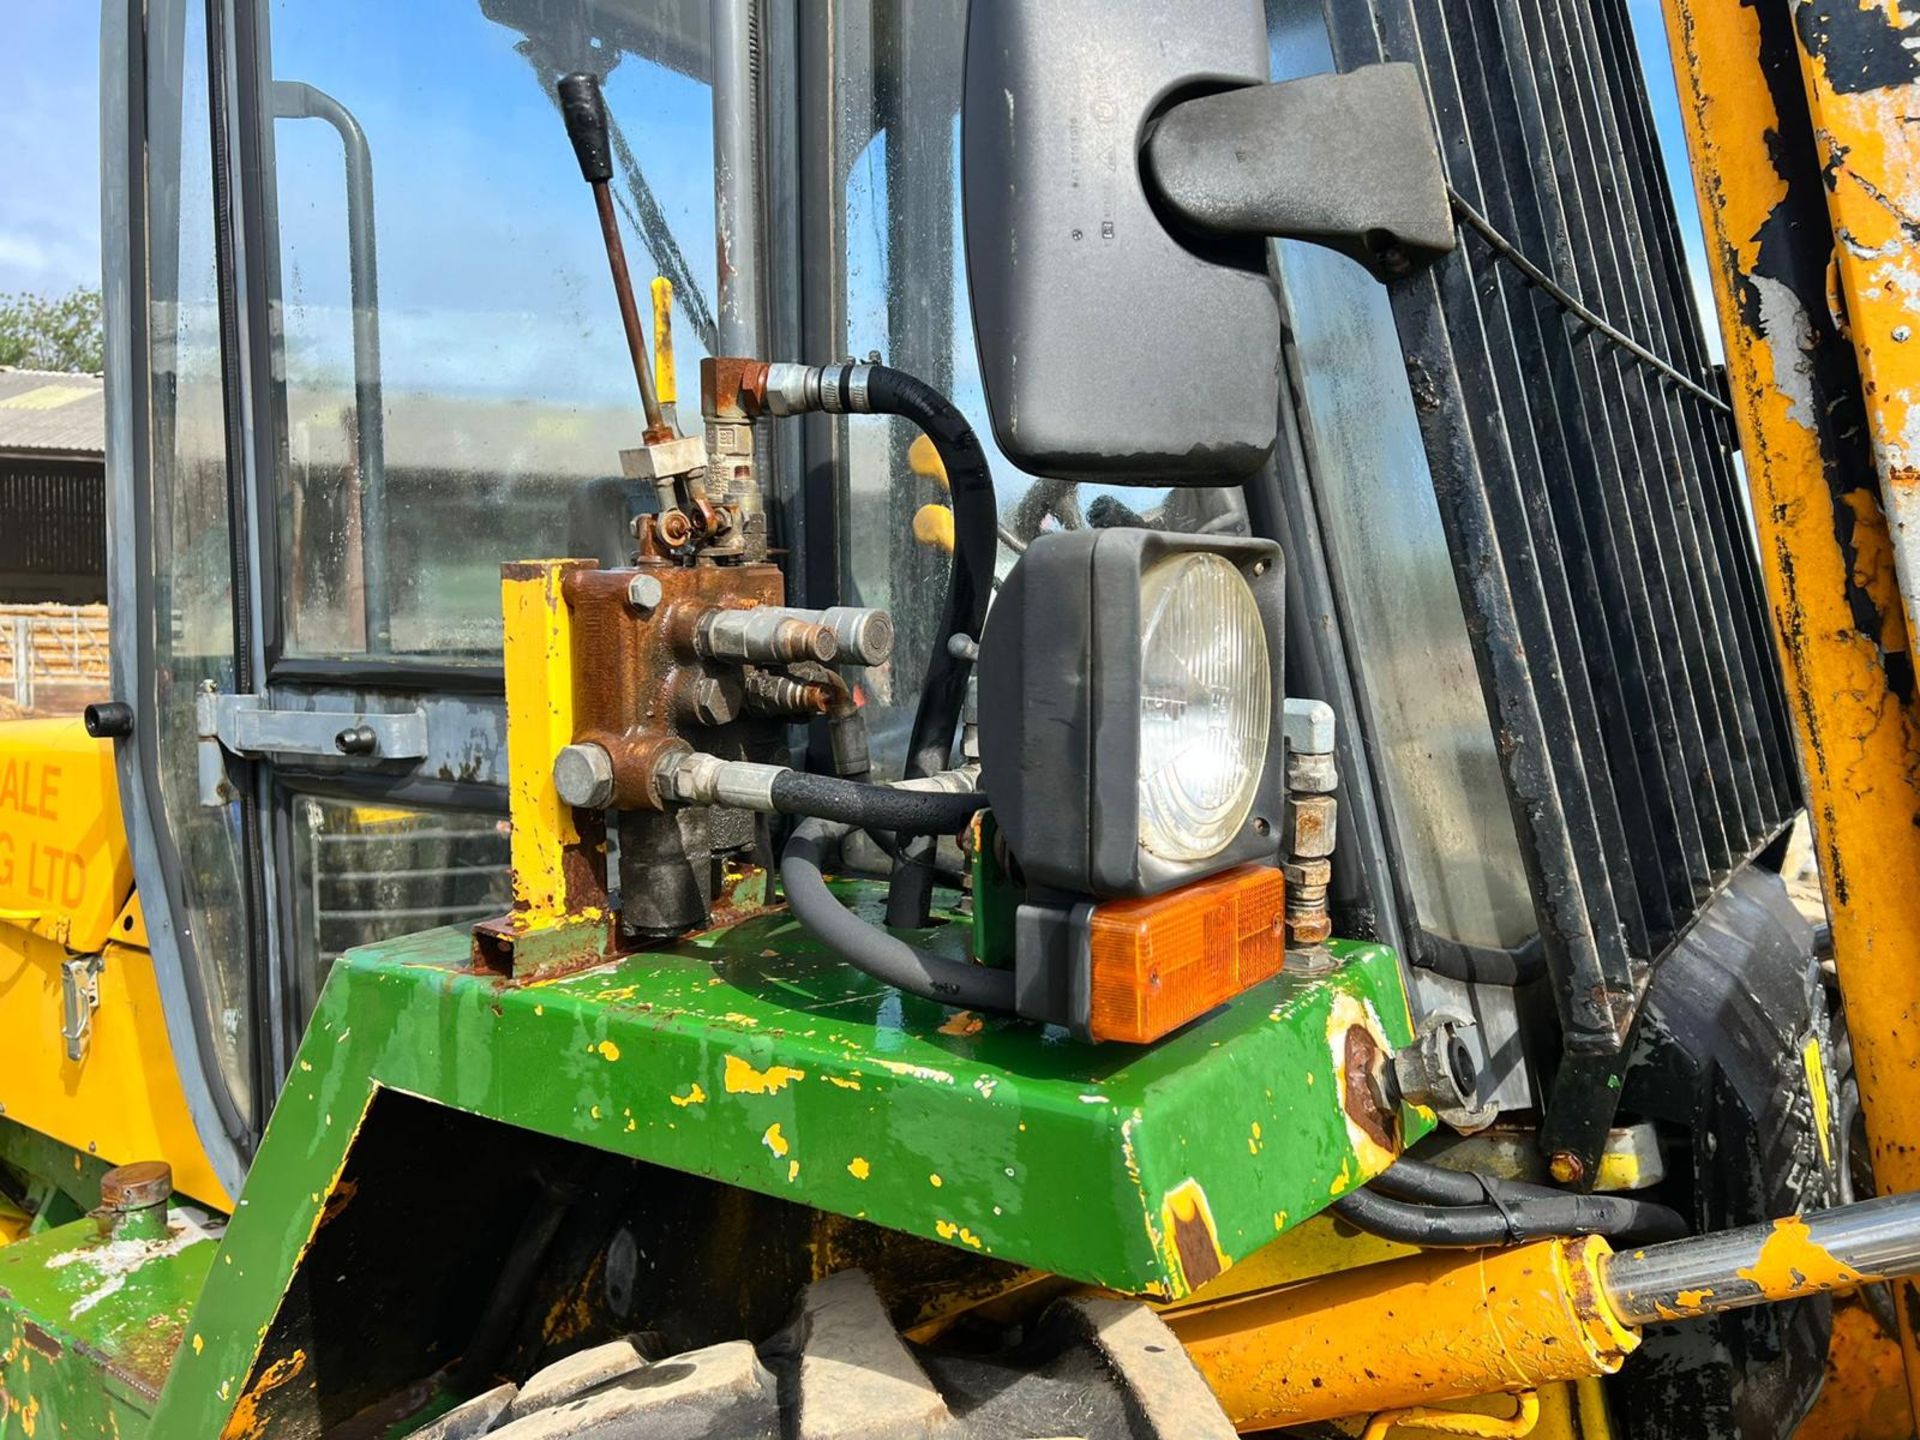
[1123,165]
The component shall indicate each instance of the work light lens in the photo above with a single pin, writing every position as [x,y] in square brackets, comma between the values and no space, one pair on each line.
[1205,706]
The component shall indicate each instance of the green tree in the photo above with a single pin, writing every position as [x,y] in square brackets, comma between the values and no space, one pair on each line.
[52,332]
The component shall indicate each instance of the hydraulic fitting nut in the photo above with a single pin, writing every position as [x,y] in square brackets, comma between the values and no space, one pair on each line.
[1312,774]
[765,634]
[1305,874]
[583,774]
[1310,826]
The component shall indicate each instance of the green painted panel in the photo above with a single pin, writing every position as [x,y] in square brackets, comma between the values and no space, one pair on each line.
[753,1056]
[89,1326]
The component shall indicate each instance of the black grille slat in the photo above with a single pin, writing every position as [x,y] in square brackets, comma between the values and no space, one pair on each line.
[1721,678]
[1639,709]
[1598,280]
[1724,517]
[1565,472]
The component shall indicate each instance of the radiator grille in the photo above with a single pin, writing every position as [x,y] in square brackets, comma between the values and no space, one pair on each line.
[1582,458]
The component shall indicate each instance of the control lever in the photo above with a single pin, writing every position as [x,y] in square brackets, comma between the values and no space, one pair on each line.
[585,113]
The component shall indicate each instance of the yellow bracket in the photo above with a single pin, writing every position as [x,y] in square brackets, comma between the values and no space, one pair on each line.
[1461,1422]
[559,916]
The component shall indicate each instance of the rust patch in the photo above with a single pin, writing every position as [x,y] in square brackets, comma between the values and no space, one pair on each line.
[1361,1059]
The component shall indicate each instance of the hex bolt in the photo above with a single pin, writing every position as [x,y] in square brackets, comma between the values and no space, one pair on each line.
[715,702]
[644,593]
[583,774]
[1566,1168]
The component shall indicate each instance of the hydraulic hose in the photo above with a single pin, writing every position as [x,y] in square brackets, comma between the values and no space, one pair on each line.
[874,807]
[976,522]
[886,958]
[1508,1220]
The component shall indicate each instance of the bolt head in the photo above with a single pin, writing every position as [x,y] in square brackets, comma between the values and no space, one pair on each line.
[583,774]
[715,703]
[644,593]
[1565,1167]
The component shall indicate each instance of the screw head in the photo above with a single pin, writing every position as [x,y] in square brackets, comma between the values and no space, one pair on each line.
[644,593]
[583,774]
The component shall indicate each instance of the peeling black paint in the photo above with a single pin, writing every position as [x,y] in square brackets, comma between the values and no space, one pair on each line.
[1862,48]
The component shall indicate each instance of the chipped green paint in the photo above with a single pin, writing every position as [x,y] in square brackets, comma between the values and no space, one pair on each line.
[753,1056]
[89,1325]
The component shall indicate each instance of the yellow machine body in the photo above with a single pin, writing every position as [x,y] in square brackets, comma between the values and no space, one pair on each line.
[71,926]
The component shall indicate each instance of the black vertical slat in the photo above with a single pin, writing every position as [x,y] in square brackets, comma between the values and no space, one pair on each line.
[1567,483]
[1665,725]
[1596,280]
[1726,519]
[1472,462]
[1721,682]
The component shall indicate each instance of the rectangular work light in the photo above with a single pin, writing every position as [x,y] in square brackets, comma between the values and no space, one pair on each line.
[1130,740]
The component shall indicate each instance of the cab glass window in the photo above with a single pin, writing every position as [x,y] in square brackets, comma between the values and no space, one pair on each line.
[453,388]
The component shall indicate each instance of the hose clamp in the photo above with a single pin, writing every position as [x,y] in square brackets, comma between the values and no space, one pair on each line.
[831,377]
[859,378]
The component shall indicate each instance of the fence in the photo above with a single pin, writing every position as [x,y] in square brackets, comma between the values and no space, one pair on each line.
[53,658]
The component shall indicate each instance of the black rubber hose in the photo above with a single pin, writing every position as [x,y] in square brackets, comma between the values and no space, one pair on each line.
[886,958]
[1480,964]
[874,807]
[976,521]
[1417,1180]
[1515,1220]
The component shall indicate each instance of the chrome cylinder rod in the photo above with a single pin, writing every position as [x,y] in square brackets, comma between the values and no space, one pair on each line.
[1801,1255]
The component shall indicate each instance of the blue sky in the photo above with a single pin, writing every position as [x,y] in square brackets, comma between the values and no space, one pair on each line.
[49,161]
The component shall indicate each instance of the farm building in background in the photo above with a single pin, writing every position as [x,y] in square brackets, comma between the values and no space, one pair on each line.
[53,542]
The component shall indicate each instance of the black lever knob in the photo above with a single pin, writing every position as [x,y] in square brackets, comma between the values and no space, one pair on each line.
[585,112]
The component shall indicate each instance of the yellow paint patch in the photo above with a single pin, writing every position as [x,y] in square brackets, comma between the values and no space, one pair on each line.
[1816,1069]
[608,1050]
[948,1230]
[695,1096]
[198,1344]
[774,1140]
[738,1019]
[859,1168]
[1790,1263]
[793,1171]
[962,1022]
[843,1084]
[935,1181]
[1693,1299]
[742,1079]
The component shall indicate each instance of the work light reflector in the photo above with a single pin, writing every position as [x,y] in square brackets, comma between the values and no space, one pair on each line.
[1205,705]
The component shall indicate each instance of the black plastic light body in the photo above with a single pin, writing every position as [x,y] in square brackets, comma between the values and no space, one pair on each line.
[1060,690]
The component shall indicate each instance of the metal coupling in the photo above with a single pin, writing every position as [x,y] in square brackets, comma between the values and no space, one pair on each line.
[803,389]
[763,635]
[583,774]
[779,695]
[693,778]
[793,389]
[865,635]
[1438,1071]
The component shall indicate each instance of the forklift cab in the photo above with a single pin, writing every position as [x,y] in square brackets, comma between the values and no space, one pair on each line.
[361,355]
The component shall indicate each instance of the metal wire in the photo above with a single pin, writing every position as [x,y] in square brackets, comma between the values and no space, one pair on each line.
[1511,253]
